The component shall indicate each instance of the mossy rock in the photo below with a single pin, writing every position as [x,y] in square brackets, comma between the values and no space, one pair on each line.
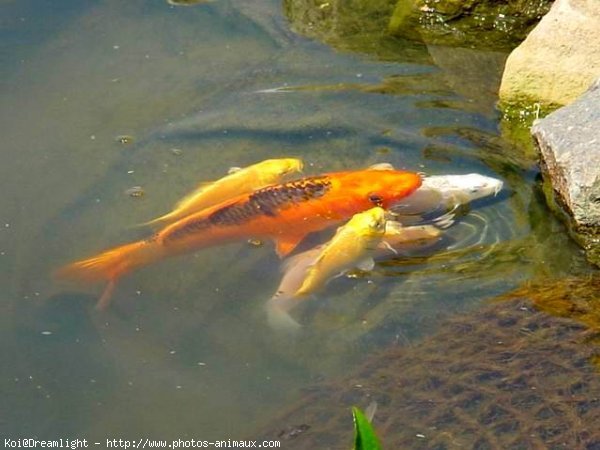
[354,25]
[517,119]
[489,24]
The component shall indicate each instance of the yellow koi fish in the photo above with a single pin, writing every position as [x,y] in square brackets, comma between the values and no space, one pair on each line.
[238,181]
[396,239]
[351,246]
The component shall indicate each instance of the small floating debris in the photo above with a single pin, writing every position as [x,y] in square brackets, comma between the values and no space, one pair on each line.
[255,242]
[186,2]
[125,139]
[46,333]
[177,151]
[135,192]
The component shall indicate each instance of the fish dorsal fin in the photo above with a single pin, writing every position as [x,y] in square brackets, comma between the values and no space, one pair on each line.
[381,166]
[233,170]
[190,196]
[284,245]
[366,264]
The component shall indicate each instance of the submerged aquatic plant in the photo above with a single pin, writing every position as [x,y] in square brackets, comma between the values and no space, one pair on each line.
[364,434]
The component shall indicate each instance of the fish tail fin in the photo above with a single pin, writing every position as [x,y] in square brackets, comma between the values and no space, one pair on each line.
[110,266]
[278,315]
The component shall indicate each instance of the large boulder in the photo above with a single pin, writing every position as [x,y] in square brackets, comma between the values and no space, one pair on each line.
[570,147]
[559,59]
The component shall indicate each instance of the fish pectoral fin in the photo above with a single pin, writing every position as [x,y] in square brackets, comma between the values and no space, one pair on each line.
[366,264]
[385,245]
[445,221]
[284,245]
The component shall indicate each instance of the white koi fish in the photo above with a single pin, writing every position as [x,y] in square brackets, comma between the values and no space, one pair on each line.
[444,194]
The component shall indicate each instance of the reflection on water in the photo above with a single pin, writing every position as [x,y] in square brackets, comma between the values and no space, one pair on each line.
[110,100]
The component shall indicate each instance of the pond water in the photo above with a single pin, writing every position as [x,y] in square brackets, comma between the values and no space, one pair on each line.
[185,351]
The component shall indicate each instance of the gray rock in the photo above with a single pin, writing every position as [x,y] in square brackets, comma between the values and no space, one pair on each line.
[569,141]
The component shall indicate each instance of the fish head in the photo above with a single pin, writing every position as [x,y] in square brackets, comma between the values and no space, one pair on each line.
[369,188]
[286,166]
[369,223]
[466,188]
[272,170]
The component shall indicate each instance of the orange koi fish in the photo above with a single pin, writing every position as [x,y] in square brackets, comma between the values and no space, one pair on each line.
[284,212]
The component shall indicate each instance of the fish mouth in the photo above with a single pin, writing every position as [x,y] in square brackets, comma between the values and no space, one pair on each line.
[498,188]
[390,215]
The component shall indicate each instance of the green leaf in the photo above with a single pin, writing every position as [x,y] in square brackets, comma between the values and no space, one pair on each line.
[364,435]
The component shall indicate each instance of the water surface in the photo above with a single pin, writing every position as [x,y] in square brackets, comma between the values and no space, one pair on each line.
[186,350]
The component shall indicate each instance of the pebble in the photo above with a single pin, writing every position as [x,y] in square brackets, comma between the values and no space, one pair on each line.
[125,139]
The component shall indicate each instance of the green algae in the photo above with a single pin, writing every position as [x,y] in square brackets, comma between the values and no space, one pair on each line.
[370,26]
[573,297]
[517,117]
[467,23]
[356,25]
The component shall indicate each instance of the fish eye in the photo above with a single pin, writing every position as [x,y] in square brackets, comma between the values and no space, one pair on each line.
[376,199]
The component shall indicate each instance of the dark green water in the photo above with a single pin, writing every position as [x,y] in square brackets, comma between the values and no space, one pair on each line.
[186,352]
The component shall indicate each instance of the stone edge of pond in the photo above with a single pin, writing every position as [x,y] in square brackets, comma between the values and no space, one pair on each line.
[569,146]
[542,75]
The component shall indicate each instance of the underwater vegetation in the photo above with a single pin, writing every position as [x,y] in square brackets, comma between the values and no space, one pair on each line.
[364,434]
[574,297]
[506,376]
